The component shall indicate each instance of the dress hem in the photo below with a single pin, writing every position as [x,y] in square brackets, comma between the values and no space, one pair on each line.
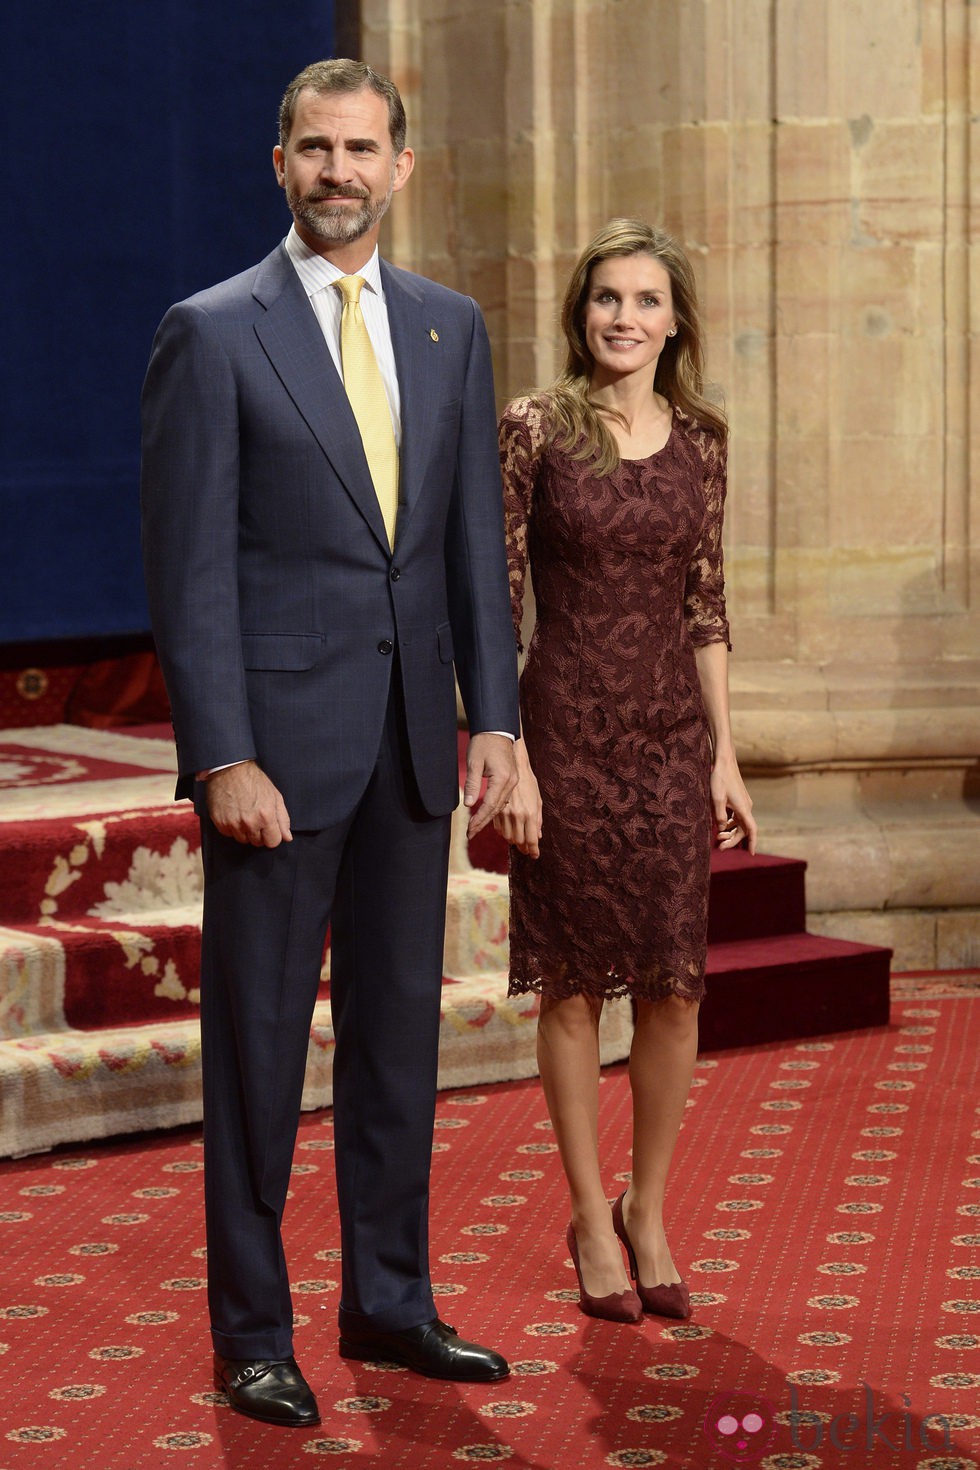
[615,990]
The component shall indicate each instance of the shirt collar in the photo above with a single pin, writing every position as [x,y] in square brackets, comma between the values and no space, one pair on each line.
[317,274]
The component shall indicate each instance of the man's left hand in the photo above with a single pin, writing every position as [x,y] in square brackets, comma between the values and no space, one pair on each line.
[490,756]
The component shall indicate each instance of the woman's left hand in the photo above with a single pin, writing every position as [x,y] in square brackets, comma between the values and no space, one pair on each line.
[731,805]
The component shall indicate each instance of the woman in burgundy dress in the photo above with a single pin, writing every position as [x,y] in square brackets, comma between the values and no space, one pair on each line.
[614,486]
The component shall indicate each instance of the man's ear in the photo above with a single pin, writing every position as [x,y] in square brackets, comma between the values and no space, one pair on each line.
[279,164]
[404,164]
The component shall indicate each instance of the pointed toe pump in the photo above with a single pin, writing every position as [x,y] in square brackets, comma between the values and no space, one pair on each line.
[666,1300]
[618,1306]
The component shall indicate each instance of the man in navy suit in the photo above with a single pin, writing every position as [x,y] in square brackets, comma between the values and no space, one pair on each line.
[310,666]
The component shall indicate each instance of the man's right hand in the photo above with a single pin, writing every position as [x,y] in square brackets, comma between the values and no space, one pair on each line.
[244,804]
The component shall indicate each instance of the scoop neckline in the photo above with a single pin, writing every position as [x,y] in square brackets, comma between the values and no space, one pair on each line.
[625,459]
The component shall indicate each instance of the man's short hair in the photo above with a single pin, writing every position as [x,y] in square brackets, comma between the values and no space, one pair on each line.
[339,74]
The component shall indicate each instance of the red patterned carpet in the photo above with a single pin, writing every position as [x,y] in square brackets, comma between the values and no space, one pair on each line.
[826,1209]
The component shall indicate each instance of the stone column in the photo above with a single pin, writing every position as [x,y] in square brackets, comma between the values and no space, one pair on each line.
[818,159]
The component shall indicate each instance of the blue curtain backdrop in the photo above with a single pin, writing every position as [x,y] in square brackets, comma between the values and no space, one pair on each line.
[137,168]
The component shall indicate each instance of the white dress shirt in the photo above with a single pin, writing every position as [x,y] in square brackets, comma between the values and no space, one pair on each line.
[317,277]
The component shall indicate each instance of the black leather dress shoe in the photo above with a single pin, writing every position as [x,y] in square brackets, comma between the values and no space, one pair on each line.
[433,1349]
[275,1392]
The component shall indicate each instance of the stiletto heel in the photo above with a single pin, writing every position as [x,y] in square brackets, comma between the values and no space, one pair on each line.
[673,1300]
[618,1306]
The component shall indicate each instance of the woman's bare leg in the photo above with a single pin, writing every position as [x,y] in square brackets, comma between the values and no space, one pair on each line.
[568,1060]
[662,1057]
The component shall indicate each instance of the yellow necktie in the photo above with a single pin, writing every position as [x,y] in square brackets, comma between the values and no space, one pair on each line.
[366,391]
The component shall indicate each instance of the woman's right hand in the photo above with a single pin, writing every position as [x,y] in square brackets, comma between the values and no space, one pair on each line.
[519,820]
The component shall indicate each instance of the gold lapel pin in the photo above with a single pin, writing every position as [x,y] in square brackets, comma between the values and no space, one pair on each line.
[433,334]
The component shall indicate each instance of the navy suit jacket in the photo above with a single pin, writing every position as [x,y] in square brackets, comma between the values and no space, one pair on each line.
[274,598]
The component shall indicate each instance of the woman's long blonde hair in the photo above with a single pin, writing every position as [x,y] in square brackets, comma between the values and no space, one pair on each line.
[577,427]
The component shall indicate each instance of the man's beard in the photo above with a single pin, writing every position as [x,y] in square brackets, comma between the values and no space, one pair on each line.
[337,222]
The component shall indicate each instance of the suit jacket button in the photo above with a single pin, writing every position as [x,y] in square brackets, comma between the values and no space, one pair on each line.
[385,646]
[394,574]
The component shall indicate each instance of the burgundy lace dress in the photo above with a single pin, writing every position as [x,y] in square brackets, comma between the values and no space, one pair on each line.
[627,575]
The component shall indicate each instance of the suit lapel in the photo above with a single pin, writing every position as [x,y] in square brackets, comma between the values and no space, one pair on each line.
[413,347]
[293,342]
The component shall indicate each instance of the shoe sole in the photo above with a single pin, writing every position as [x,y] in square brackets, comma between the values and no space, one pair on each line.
[353,1350]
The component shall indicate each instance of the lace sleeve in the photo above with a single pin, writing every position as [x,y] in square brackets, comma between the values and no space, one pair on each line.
[704,593]
[521,439]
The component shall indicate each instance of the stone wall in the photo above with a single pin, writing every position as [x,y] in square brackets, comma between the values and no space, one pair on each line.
[818,159]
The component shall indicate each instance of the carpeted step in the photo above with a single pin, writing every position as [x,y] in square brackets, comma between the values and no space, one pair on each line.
[477,916]
[761,990]
[132,969]
[65,1085]
[753,897]
[67,867]
[123,966]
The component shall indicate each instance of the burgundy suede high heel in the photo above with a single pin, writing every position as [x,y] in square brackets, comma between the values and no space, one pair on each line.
[618,1306]
[673,1300]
